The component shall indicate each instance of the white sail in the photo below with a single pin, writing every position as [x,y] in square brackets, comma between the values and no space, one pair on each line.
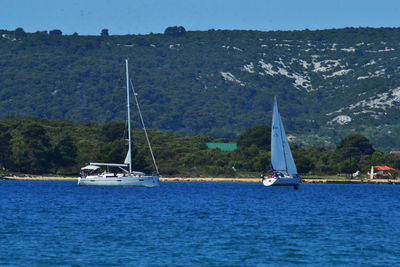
[128,158]
[281,156]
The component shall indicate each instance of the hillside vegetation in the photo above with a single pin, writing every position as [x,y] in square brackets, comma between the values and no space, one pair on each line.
[329,83]
[40,146]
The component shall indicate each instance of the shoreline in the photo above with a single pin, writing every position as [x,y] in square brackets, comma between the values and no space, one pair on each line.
[38,178]
[230,180]
[162,179]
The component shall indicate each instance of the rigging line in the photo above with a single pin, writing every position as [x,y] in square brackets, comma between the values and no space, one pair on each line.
[144,127]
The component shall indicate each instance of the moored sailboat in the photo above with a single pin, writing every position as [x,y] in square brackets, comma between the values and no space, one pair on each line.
[92,176]
[284,171]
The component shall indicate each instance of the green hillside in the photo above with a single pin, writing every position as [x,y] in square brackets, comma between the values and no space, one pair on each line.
[329,83]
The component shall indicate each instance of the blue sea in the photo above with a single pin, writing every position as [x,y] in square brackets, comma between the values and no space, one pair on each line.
[46,223]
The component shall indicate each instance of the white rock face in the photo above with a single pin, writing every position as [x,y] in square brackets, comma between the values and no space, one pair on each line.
[341,120]
[300,80]
[375,105]
[230,77]
[380,101]
[249,67]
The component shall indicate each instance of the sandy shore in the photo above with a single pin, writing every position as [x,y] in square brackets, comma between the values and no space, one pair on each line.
[348,181]
[213,179]
[162,179]
[210,179]
[39,178]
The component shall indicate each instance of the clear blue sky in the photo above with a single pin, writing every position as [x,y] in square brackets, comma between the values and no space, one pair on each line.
[89,17]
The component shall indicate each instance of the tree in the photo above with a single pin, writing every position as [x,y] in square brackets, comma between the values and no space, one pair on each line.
[304,163]
[258,135]
[5,147]
[347,166]
[353,145]
[88,149]
[32,151]
[112,131]
[113,151]
[175,31]
[104,32]
[261,162]
[19,32]
[348,152]
[139,162]
[377,158]
[55,33]
[65,153]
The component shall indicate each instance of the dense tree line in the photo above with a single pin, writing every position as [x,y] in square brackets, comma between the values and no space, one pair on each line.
[40,146]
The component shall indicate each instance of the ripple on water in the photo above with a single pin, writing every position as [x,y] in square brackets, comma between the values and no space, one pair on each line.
[58,223]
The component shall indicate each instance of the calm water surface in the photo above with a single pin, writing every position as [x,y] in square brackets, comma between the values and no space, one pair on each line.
[186,223]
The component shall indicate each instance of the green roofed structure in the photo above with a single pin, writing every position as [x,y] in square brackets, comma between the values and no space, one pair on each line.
[223,146]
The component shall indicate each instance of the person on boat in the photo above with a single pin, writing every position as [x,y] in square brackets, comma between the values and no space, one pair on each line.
[277,174]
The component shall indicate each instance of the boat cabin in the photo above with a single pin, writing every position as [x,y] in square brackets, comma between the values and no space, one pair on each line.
[97,171]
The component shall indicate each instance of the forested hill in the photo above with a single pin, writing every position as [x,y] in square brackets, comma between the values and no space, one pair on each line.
[328,83]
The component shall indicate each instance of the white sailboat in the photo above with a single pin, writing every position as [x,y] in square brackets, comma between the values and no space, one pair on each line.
[90,175]
[284,171]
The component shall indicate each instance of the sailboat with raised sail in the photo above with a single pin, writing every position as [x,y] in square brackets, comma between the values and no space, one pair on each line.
[93,174]
[284,171]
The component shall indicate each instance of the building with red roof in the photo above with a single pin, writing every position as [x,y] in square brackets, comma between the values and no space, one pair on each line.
[381,172]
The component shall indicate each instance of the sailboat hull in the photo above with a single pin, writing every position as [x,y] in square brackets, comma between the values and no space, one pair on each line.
[281,181]
[134,181]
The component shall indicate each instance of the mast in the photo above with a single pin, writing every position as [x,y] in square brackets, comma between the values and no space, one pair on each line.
[129,118]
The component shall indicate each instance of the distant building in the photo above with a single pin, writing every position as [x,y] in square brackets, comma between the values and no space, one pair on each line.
[395,153]
[380,172]
[223,146]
